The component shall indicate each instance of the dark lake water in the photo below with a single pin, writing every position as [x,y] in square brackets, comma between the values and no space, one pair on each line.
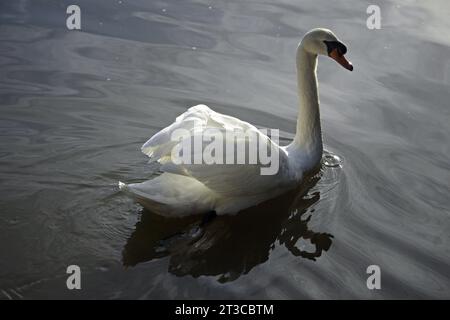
[77,105]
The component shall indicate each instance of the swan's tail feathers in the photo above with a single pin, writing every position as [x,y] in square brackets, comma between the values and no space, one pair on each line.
[170,195]
[146,198]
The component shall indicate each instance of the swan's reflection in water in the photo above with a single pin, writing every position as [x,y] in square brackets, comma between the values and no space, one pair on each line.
[229,246]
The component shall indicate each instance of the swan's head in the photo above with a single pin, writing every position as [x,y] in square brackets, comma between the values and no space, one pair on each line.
[324,42]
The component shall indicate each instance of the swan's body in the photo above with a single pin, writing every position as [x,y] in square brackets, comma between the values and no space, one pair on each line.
[226,189]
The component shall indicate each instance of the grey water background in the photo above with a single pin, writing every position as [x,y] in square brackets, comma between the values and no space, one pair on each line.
[77,105]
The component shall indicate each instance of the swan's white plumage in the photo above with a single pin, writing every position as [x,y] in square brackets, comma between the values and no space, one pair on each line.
[216,187]
[172,195]
[184,189]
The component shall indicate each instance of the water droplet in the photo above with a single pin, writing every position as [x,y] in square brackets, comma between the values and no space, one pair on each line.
[194,48]
[210,8]
[163,10]
[331,160]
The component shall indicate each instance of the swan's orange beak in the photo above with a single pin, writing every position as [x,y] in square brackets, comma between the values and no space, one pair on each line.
[339,58]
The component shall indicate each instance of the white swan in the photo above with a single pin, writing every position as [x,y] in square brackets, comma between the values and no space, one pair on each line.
[226,189]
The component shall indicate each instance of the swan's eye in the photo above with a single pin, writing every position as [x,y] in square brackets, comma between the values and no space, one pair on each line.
[331,45]
[342,48]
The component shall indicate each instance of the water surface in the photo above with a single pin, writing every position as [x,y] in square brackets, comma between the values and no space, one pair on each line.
[77,105]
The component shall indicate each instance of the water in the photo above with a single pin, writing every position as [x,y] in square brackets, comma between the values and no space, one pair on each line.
[77,105]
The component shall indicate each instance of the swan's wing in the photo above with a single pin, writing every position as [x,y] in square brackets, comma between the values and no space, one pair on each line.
[196,118]
[224,179]
[161,143]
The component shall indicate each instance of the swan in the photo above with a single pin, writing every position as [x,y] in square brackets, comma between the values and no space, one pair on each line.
[188,189]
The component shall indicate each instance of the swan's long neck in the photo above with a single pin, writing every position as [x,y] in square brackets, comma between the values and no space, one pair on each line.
[308,138]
